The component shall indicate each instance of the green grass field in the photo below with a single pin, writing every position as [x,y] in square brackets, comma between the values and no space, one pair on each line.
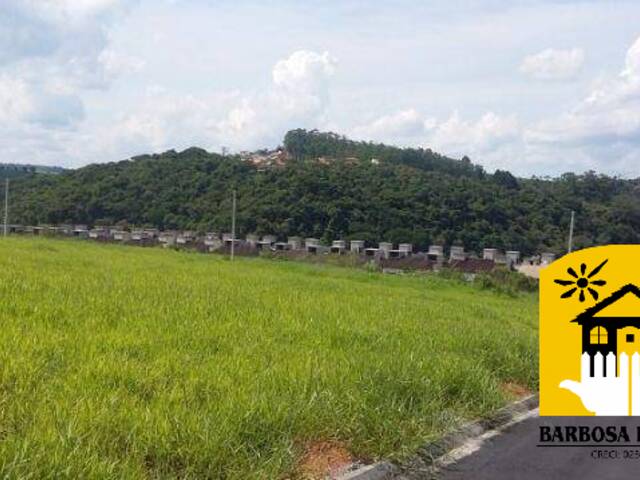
[124,362]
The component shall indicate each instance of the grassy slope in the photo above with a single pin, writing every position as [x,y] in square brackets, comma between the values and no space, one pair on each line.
[129,362]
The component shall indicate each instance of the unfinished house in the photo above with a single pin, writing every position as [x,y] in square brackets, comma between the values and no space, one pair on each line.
[489,254]
[384,249]
[282,246]
[99,233]
[151,233]
[356,246]
[312,245]
[435,253]
[185,239]
[512,257]
[121,236]
[404,250]
[339,247]
[266,243]
[457,253]
[228,240]
[167,239]
[547,257]
[212,241]
[15,229]
[137,236]
[64,230]
[252,240]
[81,231]
[371,252]
[295,243]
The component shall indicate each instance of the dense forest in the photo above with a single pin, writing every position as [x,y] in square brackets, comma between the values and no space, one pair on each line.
[331,187]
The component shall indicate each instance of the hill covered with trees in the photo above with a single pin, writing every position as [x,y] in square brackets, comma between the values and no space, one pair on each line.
[14,170]
[330,187]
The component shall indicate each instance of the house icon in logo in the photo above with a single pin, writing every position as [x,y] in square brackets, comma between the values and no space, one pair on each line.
[590,333]
[608,328]
[610,363]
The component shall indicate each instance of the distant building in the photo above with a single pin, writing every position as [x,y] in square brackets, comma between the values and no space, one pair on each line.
[403,250]
[357,246]
[547,257]
[295,243]
[121,236]
[252,240]
[167,239]
[266,242]
[435,253]
[338,246]
[312,245]
[384,249]
[185,238]
[457,253]
[512,257]
[489,254]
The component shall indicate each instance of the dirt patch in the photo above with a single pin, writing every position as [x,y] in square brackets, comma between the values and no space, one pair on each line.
[322,459]
[515,390]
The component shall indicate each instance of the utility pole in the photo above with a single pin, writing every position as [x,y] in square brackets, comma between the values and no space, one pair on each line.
[571,231]
[233,226]
[6,206]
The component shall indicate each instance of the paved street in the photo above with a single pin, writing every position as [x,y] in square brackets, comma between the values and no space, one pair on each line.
[513,455]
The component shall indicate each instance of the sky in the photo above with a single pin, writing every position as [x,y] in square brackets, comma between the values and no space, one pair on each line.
[537,87]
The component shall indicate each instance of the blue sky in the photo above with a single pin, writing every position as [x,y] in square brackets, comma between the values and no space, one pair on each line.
[536,87]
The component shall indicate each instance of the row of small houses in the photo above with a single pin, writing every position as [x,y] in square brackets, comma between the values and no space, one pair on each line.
[213,241]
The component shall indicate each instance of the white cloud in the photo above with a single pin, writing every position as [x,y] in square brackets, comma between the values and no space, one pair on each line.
[459,137]
[297,97]
[20,102]
[609,114]
[552,64]
[405,124]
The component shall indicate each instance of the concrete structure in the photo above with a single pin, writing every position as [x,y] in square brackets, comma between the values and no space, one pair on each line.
[456,252]
[151,233]
[371,252]
[185,238]
[312,245]
[282,246]
[512,257]
[121,236]
[267,242]
[80,231]
[338,246]
[212,241]
[295,243]
[15,229]
[99,233]
[489,254]
[227,240]
[167,239]
[436,253]
[252,240]
[403,250]
[384,249]
[547,257]
[137,235]
[357,246]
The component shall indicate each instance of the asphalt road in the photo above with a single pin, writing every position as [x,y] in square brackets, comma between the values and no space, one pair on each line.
[514,455]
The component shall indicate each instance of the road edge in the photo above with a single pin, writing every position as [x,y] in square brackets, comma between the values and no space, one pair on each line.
[434,454]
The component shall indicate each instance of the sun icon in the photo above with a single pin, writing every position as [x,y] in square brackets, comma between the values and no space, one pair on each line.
[582,282]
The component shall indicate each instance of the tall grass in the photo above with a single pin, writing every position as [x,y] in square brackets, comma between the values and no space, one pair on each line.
[121,362]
